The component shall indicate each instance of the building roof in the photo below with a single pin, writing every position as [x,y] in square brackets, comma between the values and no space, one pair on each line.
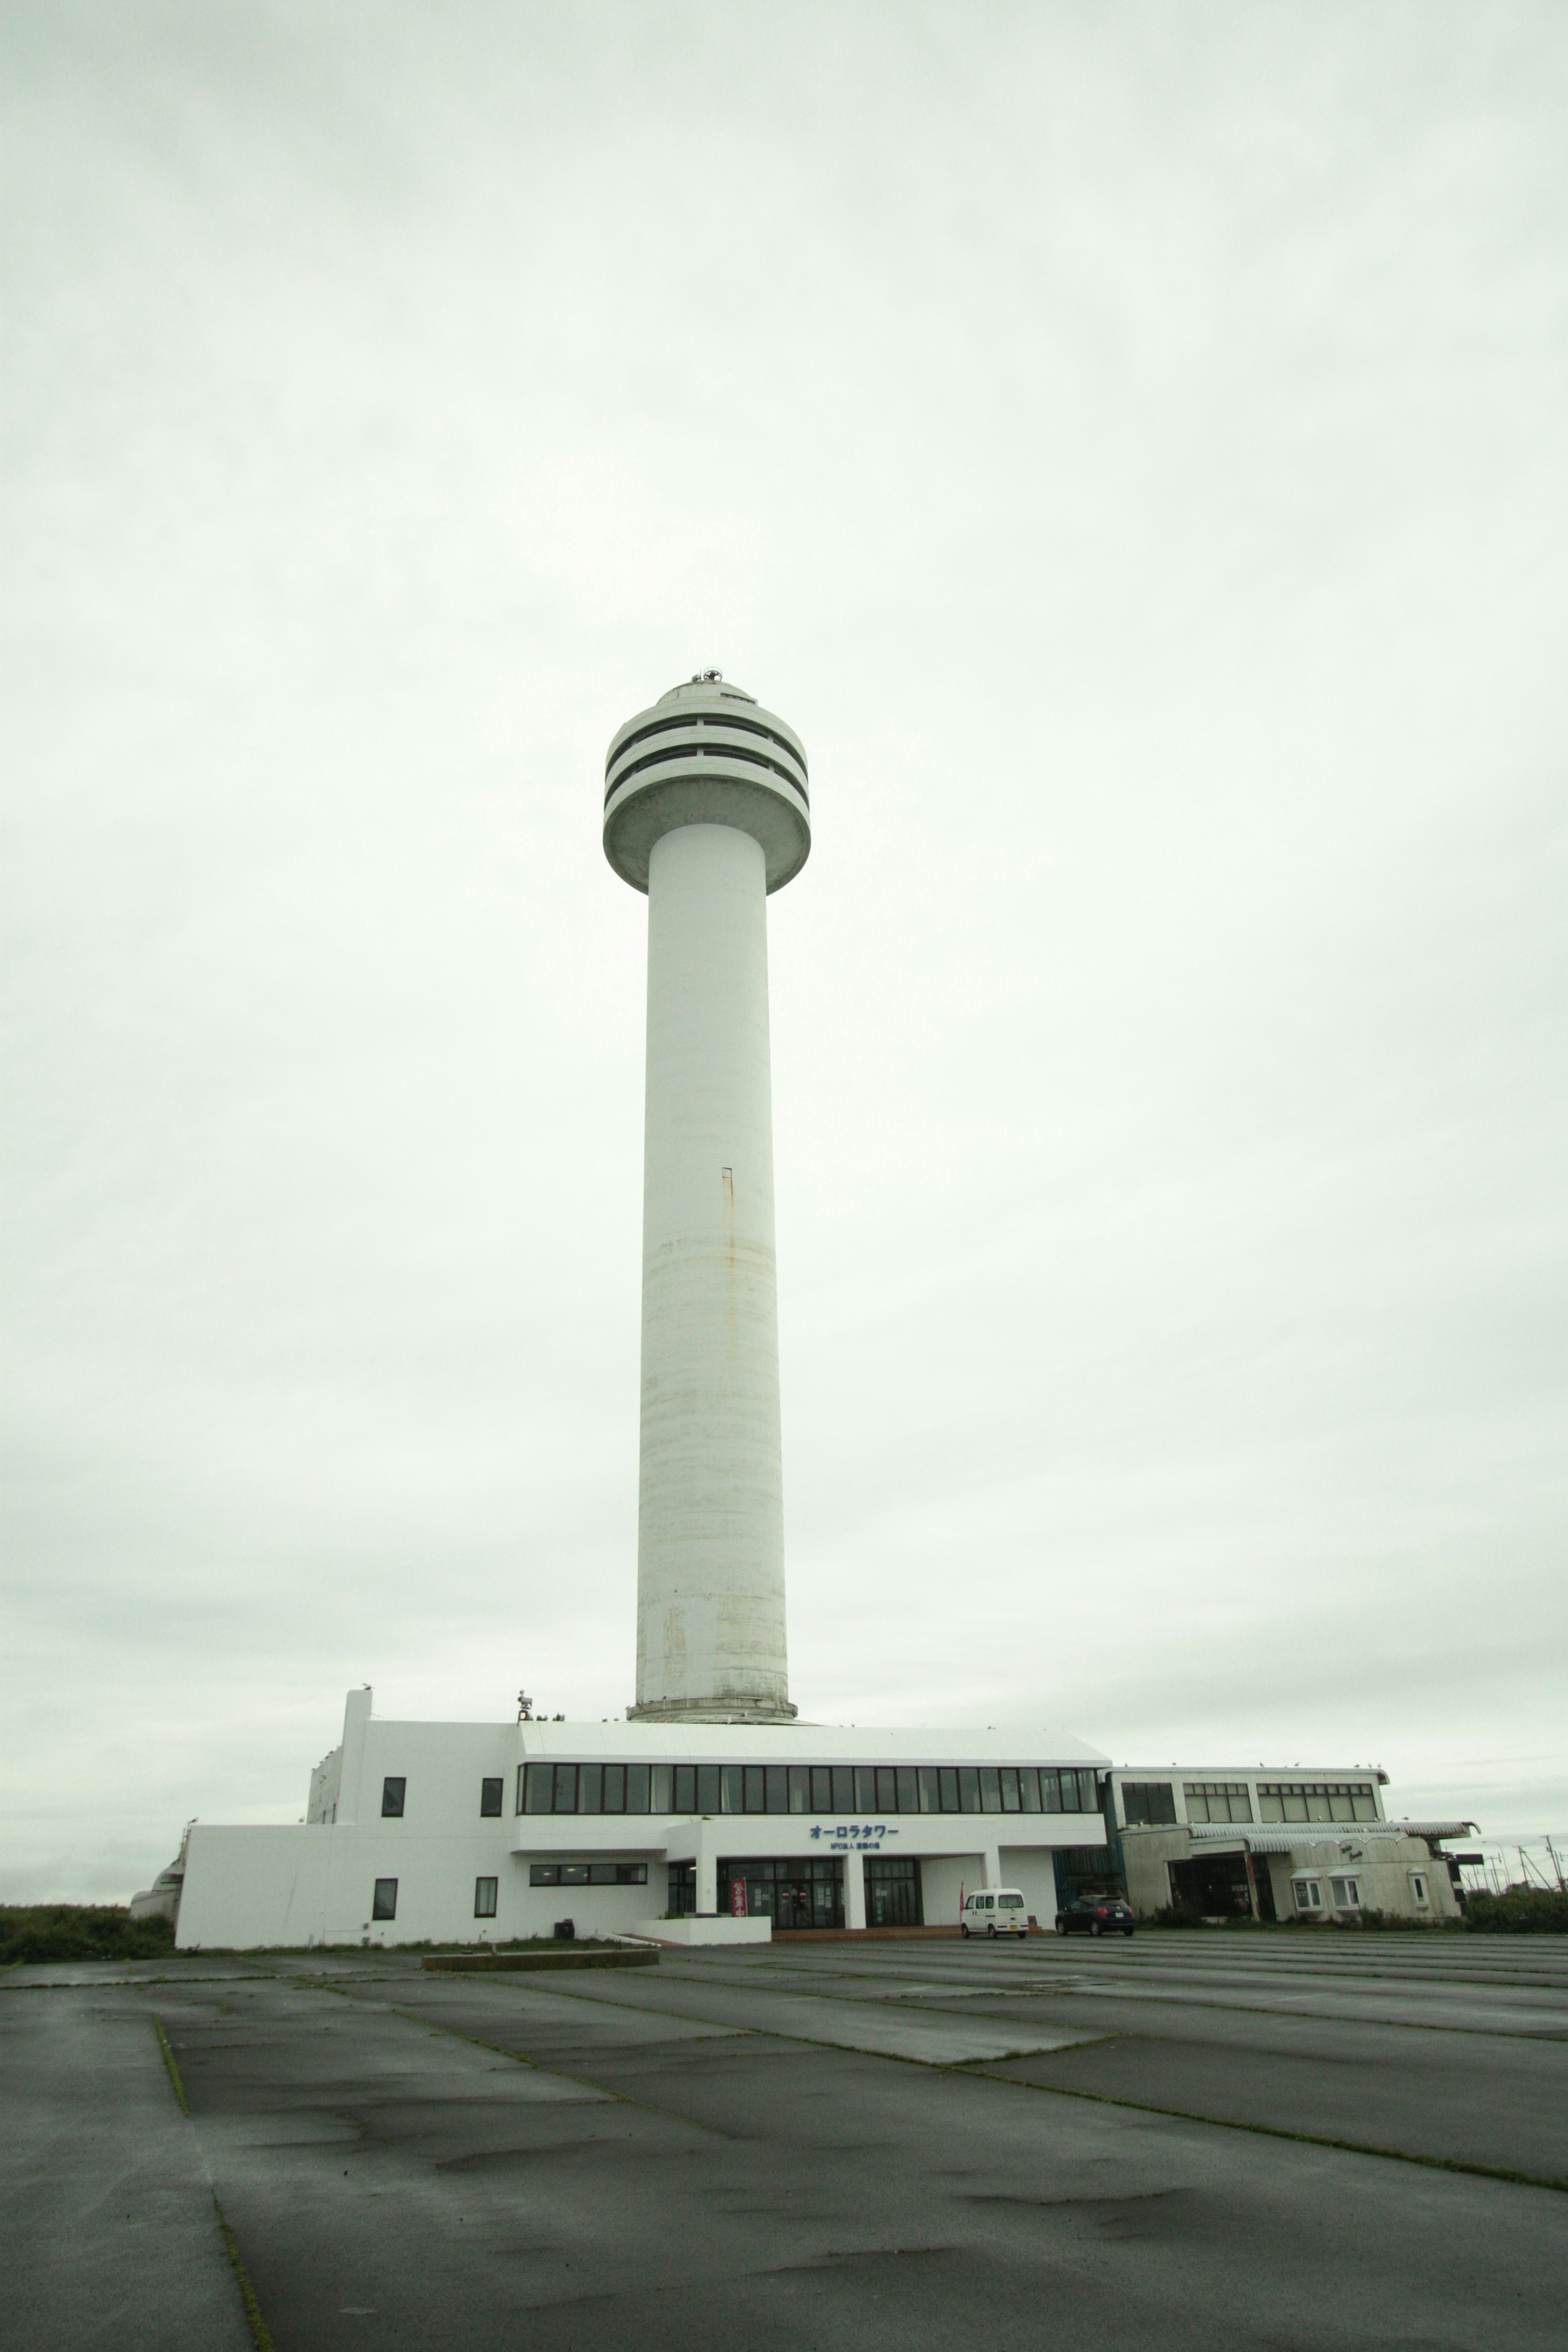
[1337,1772]
[1286,1837]
[800,1743]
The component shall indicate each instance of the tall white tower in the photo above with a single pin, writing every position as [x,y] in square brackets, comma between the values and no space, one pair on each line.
[706,809]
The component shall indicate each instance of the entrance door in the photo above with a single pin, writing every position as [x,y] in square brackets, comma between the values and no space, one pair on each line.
[792,1902]
[804,1893]
[1213,1884]
[893,1893]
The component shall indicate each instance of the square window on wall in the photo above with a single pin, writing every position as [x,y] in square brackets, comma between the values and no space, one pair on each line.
[393,1792]
[383,1902]
[489,1800]
[484,1898]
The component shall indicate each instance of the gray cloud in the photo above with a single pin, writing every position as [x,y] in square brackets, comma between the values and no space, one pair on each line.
[1130,448]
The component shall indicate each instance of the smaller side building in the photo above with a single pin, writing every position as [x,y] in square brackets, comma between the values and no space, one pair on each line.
[1276,1843]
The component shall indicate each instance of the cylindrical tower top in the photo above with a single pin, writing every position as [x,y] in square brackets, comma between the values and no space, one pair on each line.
[707,753]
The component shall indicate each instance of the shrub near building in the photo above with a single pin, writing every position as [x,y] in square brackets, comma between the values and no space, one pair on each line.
[77,1931]
[1520,1911]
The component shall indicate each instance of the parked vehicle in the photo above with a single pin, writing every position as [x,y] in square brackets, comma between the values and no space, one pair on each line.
[1095,1915]
[995,1911]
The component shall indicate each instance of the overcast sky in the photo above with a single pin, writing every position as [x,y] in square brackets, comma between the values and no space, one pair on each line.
[1127,443]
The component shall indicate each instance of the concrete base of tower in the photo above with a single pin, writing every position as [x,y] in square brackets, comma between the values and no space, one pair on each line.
[712,1710]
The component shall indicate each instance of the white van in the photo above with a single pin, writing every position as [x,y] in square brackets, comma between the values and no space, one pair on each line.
[995,1911]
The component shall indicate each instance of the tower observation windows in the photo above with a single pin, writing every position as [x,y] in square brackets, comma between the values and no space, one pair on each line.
[841,1789]
[691,723]
[705,752]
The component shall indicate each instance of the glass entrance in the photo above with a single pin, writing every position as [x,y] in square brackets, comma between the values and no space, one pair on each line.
[807,1892]
[893,1893]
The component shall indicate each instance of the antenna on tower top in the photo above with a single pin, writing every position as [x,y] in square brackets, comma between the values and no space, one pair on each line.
[705,677]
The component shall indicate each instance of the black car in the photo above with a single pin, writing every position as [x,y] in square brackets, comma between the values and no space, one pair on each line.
[1095,1915]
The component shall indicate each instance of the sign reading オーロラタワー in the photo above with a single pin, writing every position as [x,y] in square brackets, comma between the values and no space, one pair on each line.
[856,1837]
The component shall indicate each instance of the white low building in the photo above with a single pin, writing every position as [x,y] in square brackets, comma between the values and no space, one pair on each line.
[461,1833]
[1281,1843]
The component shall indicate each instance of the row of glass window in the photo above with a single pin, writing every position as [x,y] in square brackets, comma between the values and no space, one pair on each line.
[1216,1801]
[587,1873]
[1309,1894]
[892,1789]
[1316,1801]
[820,1788]
[1147,1803]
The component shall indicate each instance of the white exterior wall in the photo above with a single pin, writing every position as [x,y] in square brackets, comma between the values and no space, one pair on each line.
[1376,1854]
[304,1884]
[1383,1870]
[710,1572]
[1035,1875]
[944,1881]
[289,1886]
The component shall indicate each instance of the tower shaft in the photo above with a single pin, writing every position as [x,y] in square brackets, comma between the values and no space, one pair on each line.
[707,810]
[710,1573]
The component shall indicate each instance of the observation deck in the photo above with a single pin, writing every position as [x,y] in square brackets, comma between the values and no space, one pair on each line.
[707,753]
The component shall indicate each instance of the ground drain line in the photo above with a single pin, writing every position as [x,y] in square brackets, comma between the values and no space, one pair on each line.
[258,2327]
[1278,2131]
[169,2062]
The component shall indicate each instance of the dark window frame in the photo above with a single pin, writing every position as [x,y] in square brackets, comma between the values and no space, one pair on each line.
[486,1893]
[384,1905]
[1148,1805]
[492,1788]
[394,1796]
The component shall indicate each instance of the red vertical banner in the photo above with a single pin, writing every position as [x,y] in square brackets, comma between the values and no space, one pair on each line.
[738,1898]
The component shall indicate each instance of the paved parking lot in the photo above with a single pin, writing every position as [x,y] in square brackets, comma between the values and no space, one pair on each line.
[1188,2140]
